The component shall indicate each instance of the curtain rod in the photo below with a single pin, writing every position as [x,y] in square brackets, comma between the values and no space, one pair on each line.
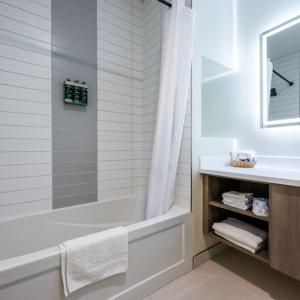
[283,78]
[165,3]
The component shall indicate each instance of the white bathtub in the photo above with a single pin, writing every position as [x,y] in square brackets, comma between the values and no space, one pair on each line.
[159,251]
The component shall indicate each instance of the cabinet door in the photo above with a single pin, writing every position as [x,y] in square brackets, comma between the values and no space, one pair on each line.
[285,229]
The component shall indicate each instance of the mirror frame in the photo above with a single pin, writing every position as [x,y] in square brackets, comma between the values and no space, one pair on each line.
[264,76]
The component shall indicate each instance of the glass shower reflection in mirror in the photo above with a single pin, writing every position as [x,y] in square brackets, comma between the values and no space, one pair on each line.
[281,74]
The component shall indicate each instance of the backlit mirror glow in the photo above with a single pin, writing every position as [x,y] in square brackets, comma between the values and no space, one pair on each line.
[280,80]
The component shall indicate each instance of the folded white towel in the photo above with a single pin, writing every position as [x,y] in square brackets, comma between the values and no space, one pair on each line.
[245,233]
[238,201]
[237,195]
[240,244]
[243,206]
[248,227]
[94,257]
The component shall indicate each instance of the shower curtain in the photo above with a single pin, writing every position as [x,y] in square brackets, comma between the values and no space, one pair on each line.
[176,64]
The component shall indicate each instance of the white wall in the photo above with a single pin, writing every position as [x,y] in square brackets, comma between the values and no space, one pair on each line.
[216,29]
[231,105]
[25,112]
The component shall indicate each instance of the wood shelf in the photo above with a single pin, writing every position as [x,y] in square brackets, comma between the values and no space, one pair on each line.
[215,211]
[248,213]
[282,224]
[262,255]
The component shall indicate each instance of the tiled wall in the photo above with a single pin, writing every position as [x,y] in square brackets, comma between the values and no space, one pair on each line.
[129,44]
[183,181]
[153,31]
[25,111]
[120,75]
[74,130]
[129,48]
[286,104]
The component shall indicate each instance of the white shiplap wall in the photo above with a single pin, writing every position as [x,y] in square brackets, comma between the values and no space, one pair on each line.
[183,180]
[120,75]
[286,104]
[129,41]
[153,29]
[129,35]
[183,196]
[129,49]
[25,111]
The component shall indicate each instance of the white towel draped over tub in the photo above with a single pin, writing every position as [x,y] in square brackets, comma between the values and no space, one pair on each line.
[94,257]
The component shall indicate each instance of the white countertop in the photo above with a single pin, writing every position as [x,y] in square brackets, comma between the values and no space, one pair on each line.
[279,170]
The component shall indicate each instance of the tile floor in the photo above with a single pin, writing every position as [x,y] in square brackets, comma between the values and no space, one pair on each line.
[231,276]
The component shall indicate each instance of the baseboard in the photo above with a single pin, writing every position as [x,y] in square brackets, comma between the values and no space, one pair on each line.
[208,254]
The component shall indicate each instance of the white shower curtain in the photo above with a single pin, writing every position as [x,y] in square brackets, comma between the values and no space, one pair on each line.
[176,64]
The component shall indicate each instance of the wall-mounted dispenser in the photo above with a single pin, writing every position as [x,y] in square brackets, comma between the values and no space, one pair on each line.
[75,92]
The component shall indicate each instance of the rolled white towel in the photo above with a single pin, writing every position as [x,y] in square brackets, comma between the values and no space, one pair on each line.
[240,231]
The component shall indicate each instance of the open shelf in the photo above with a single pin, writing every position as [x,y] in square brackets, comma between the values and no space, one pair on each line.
[216,211]
[282,246]
[248,213]
[262,255]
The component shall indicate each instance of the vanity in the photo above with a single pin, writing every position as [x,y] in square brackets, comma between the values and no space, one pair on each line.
[275,178]
[227,111]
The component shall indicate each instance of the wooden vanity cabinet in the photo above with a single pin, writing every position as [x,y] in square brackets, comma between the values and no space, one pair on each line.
[284,236]
[282,224]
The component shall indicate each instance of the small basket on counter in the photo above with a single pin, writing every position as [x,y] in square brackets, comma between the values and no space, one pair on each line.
[243,164]
[243,159]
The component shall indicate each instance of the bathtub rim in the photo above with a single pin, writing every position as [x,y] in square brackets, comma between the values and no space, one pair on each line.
[62,209]
[21,267]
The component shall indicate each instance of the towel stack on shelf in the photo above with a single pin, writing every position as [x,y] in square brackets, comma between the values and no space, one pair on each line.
[241,234]
[239,200]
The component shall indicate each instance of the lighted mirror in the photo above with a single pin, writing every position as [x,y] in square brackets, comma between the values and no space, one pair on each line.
[280,65]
